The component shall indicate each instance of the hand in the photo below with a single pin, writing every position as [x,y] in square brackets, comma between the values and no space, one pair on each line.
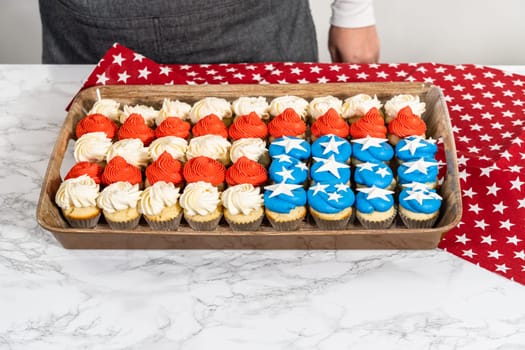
[354,45]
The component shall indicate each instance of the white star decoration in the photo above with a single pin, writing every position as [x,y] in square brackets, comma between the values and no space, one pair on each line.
[282,188]
[332,145]
[366,166]
[375,192]
[283,158]
[368,142]
[286,174]
[290,143]
[420,165]
[330,165]
[413,144]
[319,187]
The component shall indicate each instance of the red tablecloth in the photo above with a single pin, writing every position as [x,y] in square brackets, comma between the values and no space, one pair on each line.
[487,108]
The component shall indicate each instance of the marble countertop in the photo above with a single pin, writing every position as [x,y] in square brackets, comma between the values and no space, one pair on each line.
[53,298]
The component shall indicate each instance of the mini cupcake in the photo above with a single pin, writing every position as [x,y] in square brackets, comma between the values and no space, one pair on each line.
[202,206]
[245,105]
[246,171]
[331,205]
[404,125]
[93,170]
[292,146]
[176,146]
[135,127]
[394,105]
[108,107]
[76,198]
[212,146]
[160,206]
[173,126]
[92,147]
[251,148]
[285,206]
[96,122]
[415,147]
[375,207]
[211,105]
[419,206]
[331,145]
[243,207]
[357,106]
[132,150]
[371,124]
[148,113]
[204,169]
[328,170]
[281,103]
[248,126]
[371,149]
[118,202]
[288,170]
[176,109]
[374,174]
[320,105]
[118,170]
[329,123]
[421,170]
[288,123]
[210,125]
[165,169]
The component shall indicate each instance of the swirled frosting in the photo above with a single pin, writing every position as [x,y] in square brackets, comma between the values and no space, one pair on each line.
[371,199]
[407,124]
[288,123]
[320,105]
[173,126]
[210,125]
[107,107]
[248,126]
[174,145]
[118,169]
[149,113]
[92,147]
[212,146]
[135,128]
[96,122]
[330,123]
[252,148]
[373,174]
[330,198]
[210,105]
[200,198]
[421,170]
[118,196]
[291,146]
[245,105]
[132,150]
[242,199]
[157,197]
[332,145]
[165,168]
[93,170]
[372,149]
[281,103]
[415,147]
[371,124]
[358,105]
[283,198]
[398,102]
[329,170]
[289,170]
[78,192]
[206,169]
[420,200]
[171,108]
[246,171]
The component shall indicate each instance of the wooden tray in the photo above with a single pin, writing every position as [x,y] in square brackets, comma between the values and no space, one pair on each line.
[308,236]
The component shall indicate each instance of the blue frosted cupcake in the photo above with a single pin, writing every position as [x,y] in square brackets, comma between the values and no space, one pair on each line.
[419,206]
[332,145]
[285,206]
[331,205]
[291,146]
[414,148]
[375,207]
[329,171]
[374,174]
[289,170]
[371,149]
[421,170]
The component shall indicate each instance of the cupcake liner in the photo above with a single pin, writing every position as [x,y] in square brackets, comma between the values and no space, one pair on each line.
[374,225]
[123,225]
[83,223]
[332,225]
[203,225]
[249,226]
[285,225]
[167,225]
[411,223]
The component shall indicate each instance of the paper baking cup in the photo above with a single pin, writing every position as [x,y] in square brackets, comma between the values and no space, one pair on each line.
[83,223]
[377,225]
[411,223]
[332,225]
[167,225]
[285,225]
[204,225]
[124,225]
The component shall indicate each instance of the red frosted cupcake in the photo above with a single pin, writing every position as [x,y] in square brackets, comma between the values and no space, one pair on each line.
[248,126]
[205,169]
[165,168]
[173,126]
[96,122]
[288,123]
[118,169]
[246,171]
[136,128]
[405,124]
[210,125]
[93,170]
[330,123]
[371,124]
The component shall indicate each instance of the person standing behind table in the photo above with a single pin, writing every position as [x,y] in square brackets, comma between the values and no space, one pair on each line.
[204,31]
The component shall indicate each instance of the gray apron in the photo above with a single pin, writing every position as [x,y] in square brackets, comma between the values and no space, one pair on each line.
[179,31]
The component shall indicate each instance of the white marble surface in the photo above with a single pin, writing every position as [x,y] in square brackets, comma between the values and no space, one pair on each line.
[53,298]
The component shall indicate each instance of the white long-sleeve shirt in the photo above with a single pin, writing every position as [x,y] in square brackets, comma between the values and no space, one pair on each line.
[352,13]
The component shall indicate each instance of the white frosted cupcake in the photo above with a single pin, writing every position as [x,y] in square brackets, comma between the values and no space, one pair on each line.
[211,105]
[160,207]
[298,104]
[320,105]
[243,207]
[201,202]
[132,150]
[244,105]
[176,146]
[149,113]
[107,107]
[398,102]
[212,146]
[77,197]
[92,147]
[171,108]
[357,106]
[118,202]
[251,148]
